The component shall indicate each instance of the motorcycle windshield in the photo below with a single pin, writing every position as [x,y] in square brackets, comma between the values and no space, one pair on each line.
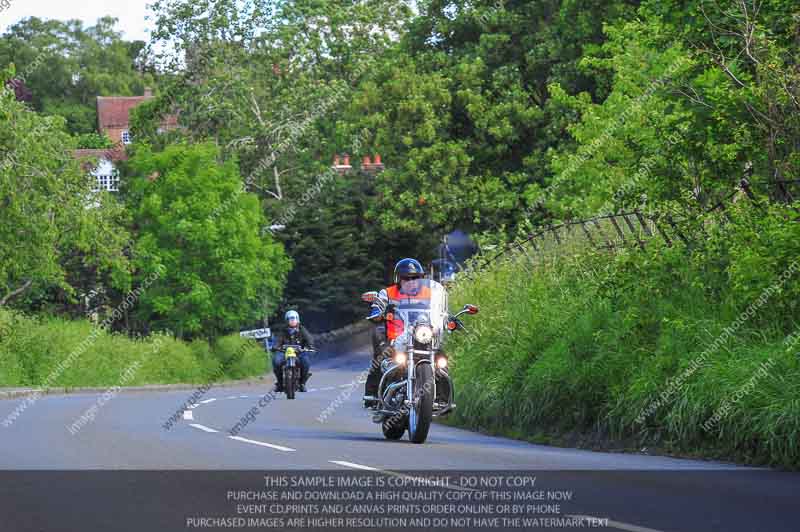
[422,299]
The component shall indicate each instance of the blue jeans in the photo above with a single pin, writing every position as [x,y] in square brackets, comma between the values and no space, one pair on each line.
[279,359]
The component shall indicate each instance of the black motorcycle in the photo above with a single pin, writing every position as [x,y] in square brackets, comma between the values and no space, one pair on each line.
[415,385]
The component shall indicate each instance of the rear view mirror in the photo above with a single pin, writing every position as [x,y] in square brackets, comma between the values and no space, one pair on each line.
[369,297]
[471,309]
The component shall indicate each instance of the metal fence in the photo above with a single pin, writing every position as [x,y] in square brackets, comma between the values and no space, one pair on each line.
[633,228]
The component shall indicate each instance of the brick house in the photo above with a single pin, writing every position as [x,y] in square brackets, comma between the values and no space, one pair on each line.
[113,120]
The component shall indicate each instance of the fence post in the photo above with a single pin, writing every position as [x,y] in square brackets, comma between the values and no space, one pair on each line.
[677,230]
[613,219]
[633,231]
[588,234]
[609,244]
[663,233]
[642,222]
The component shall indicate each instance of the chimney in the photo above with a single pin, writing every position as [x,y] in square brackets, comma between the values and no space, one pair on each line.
[148,92]
[374,167]
[341,163]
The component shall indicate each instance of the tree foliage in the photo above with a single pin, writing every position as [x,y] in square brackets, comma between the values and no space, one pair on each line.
[199,243]
[55,233]
[71,65]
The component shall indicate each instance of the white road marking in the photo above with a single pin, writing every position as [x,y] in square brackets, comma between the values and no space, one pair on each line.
[202,427]
[356,466]
[262,444]
[345,386]
[243,396]
[232,397]
[312,390]
[395,474]
[325,389]
[618,525]
[207,401]
[187,414]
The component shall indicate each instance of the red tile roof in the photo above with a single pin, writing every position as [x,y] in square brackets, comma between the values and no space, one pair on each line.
[112,111]
[115,153]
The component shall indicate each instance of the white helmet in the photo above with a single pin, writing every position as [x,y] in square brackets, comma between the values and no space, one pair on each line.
[292,314]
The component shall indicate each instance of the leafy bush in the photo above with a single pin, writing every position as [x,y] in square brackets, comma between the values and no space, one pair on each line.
[632,346]
[95,141]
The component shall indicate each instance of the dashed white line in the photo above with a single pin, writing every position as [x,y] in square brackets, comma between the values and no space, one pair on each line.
[207,401]
[263,444]
[345,386]
[355,466]
[325,389]
[187,414]
[617,524]
[243,396]
[202,427]
[232,397]
[312,390]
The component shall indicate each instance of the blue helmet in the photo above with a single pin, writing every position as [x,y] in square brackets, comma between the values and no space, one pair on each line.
[292,314]
[407,269]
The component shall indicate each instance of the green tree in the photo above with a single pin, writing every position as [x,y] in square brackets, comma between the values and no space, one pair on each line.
[55,233]
[70,65]
[463,111]
[199,243]
[683,118]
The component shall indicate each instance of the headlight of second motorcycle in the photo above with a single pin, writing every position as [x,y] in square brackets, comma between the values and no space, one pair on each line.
[423,334]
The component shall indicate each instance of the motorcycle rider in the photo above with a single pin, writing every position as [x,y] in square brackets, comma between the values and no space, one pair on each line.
[405,286]
[295,334]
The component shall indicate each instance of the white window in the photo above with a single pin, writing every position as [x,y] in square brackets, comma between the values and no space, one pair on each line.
[126,137]
[106,177]
[109,182]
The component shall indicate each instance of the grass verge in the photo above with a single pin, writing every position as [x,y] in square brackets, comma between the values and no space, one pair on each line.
[47,351]
[690,351]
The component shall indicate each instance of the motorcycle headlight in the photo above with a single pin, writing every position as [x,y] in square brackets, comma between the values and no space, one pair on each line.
[400,358]
[441,362]
[423,334]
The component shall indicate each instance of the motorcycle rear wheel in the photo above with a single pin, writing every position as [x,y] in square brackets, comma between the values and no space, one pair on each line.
[420,416]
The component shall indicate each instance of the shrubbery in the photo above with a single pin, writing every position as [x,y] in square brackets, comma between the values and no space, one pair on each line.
[622,346]
[32,347]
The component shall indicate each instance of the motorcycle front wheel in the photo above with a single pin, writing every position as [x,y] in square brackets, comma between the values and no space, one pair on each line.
[289,381]
[421,413]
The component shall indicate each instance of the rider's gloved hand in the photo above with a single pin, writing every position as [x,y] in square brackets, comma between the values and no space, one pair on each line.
[375,314]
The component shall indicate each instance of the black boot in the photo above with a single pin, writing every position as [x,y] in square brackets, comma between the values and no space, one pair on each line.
[304,376]
[371,386]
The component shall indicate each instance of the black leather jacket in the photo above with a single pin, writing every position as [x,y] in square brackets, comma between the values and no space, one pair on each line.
[300,337]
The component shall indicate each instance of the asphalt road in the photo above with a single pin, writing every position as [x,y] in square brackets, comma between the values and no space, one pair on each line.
[245,428]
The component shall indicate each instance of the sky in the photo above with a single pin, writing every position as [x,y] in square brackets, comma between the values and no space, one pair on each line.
[131,13]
